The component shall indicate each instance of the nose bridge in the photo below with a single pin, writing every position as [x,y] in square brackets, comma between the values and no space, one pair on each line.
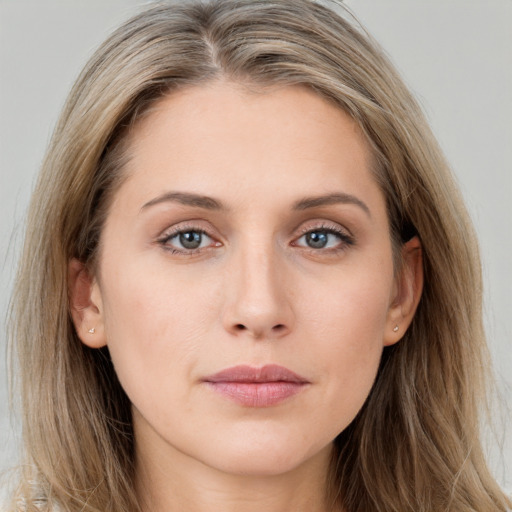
[258,266]
[258,304]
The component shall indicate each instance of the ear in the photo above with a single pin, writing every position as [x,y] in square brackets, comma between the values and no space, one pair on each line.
[85,305]
[406,292]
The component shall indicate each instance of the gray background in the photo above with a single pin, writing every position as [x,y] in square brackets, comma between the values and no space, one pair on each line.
[456,55]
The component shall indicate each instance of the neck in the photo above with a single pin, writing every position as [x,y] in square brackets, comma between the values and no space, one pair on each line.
[181,484]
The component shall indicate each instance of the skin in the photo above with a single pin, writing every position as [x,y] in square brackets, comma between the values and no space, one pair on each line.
[254,293]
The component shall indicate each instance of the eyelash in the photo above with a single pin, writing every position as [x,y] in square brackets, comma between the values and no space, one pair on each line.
[346,239]
[182,229]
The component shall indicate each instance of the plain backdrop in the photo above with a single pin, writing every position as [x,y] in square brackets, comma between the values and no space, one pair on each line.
[456,55]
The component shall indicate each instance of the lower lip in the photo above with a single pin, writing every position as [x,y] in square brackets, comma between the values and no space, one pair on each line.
[257,394]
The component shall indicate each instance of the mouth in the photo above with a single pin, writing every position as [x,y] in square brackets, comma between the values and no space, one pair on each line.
[257,387]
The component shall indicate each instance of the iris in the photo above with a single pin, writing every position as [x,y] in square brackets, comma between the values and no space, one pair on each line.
[317,239]
[190,239]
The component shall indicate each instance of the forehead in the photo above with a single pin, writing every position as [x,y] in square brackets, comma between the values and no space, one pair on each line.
[288,140]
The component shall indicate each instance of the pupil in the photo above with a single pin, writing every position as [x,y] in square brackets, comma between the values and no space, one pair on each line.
[317,239]
[190,239]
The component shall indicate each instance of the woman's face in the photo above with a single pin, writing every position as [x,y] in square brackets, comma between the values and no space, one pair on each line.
[245,286]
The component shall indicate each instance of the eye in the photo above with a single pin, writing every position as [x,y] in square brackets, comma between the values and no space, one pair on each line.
[324,238]
[187,241]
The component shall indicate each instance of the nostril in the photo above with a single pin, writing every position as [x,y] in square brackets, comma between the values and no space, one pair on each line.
[277,329]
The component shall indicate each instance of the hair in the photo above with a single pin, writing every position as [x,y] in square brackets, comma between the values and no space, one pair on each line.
[415,445]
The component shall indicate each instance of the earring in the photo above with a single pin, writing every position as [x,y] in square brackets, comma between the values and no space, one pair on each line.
[92,330]
[395,329]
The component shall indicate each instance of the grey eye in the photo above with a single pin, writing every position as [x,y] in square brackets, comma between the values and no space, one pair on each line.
[188,240]
[317,239]
[191,239]
[321,239]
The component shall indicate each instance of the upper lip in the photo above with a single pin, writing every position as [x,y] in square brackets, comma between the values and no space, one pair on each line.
[267,373]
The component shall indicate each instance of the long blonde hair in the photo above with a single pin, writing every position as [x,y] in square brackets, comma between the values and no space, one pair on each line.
[415,444]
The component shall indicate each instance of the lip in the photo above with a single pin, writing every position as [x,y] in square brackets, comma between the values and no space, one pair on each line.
[257,386]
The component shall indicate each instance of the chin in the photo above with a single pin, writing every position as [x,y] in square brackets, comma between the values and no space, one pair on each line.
[262,457]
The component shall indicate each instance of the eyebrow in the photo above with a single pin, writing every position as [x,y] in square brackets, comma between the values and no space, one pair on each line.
[209,203]
[329,199]
[188,199]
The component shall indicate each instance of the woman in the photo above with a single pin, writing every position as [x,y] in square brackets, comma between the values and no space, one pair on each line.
[249,282]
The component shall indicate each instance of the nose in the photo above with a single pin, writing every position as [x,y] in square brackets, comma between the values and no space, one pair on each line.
[258,301]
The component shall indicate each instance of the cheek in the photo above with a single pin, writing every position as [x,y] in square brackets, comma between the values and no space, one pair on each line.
[351,307]
[155,324]
[348,323]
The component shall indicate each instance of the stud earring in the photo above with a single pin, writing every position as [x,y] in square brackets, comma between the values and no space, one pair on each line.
[395,329]
[92,330]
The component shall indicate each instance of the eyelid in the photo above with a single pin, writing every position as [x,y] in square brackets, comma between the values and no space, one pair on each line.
[184,227]
[328,225]
[345,236]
